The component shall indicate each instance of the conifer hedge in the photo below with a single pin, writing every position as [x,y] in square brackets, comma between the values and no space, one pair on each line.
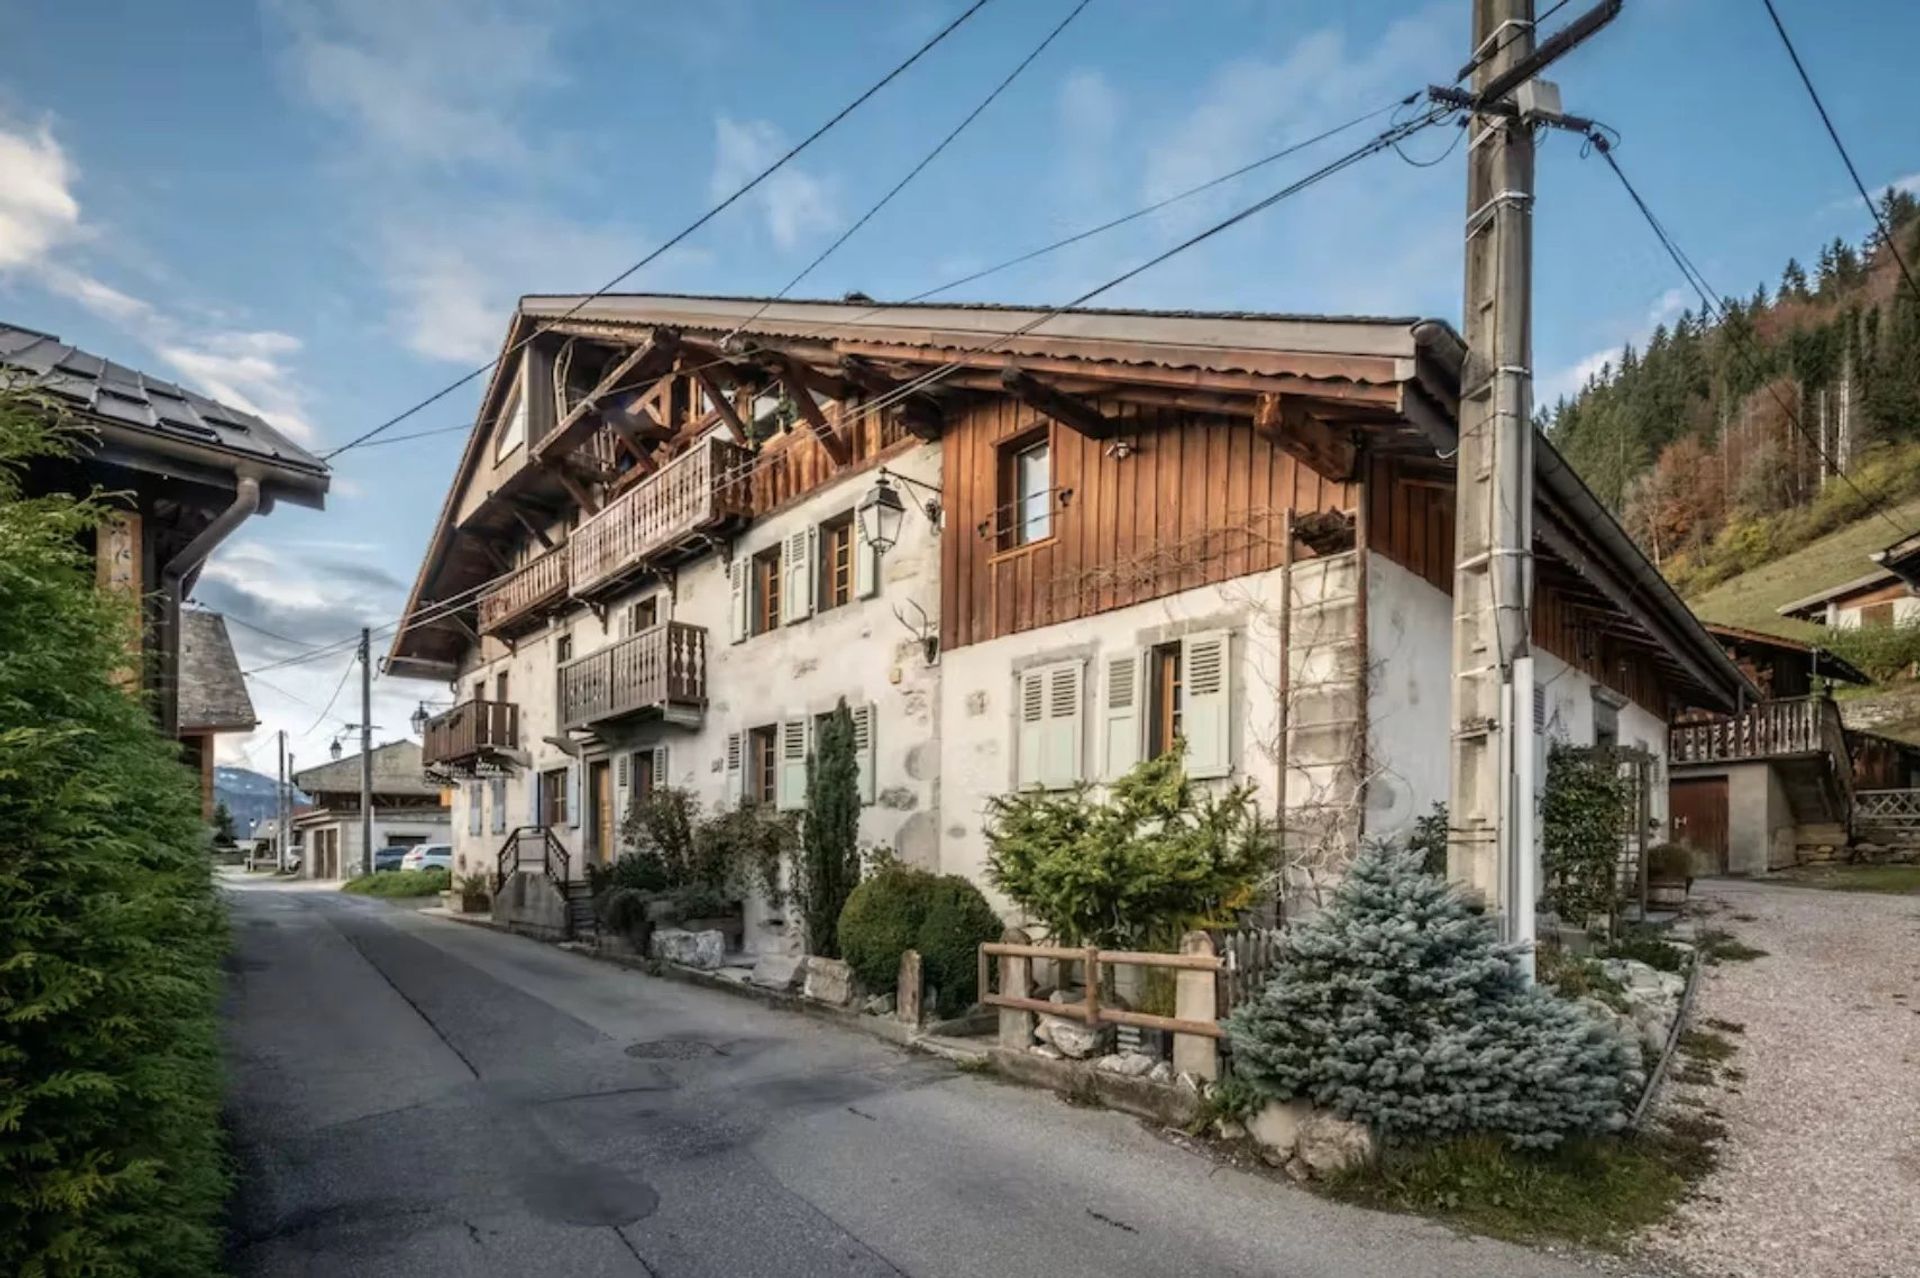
[111,933]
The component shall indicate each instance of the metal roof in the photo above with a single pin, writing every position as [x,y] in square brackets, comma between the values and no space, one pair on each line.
[121,396]
[1883,577]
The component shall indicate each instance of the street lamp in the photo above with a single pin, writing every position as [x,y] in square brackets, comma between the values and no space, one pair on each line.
[419,720]
[334,748]
[881,510]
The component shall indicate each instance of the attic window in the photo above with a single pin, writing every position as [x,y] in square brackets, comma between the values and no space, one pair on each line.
[513,422]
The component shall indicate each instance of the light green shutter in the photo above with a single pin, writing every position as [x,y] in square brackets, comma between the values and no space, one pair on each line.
[1208,719]
[1030,737]
[866,562]
[737,614]
[796,584]
[1060,765]
[863,724]
[736,767]
[1121,717]
[790,784]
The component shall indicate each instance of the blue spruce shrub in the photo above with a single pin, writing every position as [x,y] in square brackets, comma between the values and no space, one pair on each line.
[1397,1007]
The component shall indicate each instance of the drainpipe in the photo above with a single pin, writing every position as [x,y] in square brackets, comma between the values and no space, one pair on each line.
[173,575]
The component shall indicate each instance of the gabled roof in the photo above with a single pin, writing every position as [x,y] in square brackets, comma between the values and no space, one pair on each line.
[1829,664]
[213,693]
[397,769]
[150,414]
[1818,601]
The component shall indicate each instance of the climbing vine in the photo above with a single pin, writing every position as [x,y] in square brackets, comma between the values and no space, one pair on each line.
[1583,825]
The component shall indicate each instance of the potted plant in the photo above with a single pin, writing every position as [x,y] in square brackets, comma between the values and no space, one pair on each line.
[474,896]
[1669,875]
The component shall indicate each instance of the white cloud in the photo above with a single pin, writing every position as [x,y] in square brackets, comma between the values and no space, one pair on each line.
[37,209]
[794,203]
[245,369]
[1566,382]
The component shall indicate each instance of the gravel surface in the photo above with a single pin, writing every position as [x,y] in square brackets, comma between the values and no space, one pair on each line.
[1820,1172]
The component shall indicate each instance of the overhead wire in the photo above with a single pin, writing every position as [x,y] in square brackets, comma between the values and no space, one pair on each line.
[672,241]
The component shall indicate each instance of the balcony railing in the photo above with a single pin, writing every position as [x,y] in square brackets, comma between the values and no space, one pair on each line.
[663,668]
[1800,725]
[697,492]
[519,599]
[469,730]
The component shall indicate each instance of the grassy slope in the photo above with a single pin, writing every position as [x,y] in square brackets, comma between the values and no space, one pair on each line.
[1750,599]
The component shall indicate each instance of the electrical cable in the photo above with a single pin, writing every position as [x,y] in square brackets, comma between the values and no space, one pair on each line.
[674,240]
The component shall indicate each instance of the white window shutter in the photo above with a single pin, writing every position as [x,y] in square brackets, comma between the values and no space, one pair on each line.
[473,807]
[790,782]
[736,767]
[1208,720]
[573,796]
[866,562]
[499,801]
[1122,721]
[623,772]
[737,615]
[660,781]
[1030,744]
[1060,765]
[534,815]
[796,584]
[863,751]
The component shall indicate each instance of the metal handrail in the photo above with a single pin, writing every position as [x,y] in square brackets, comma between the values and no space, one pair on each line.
[553,856]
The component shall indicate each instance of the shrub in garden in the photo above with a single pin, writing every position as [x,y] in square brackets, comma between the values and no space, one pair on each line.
[111,931]
[958,919]
[1395,1006]
[828,866]
[401,883]
[881,921]
[1583,825]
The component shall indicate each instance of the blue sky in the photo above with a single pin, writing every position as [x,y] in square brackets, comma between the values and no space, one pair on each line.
[325,208]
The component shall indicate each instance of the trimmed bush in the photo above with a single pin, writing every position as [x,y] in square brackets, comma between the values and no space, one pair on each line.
[1396,1007]
[111,932]
[882,921]
[427,882]
[958,918]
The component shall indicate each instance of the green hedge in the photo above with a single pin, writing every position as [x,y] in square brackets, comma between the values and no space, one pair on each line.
[111,932]
[427,882]
[945,918]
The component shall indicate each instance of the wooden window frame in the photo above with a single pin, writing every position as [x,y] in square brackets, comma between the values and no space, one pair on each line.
[651,604]
[1166,698]
[835,553]
[553,797]
[763,604]
[760,783]
[1009,502]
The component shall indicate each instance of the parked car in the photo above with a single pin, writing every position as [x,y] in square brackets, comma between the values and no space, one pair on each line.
[390,858]
[429,856]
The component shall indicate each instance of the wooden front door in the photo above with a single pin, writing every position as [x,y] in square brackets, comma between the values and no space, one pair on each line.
[600,832]
[1698,807]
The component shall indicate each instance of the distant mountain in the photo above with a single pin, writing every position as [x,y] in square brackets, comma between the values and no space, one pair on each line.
[249,795]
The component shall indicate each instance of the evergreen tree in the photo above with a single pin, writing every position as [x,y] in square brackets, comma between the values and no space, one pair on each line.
[223,824]
[1793,281]
[829,865]
[1396,1007]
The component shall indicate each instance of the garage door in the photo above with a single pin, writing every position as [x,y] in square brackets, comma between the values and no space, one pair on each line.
[1698,807]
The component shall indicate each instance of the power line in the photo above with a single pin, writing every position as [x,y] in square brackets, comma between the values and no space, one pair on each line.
[1873,210]
[262,630]
[1481,59]
[1713,302]
[925,160]
[678,236]
[330,700]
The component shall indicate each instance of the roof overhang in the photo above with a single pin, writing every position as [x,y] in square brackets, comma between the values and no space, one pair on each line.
[1816,603]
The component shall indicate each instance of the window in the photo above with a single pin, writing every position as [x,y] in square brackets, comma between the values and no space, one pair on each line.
[513,423]
[1048,746]
[1026,492]
[500,686]
[1877,614]
[644,615]
[479,689]
[1167,700]
[765,607]
[553,797]
[836,562]
[562,649]
[762,764]
[1606,721]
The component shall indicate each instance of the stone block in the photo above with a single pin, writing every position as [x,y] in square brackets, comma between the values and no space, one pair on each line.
[704,950]
[1329,1144]
[779,971]
[829,981]
[1276,1129]
[1127,1064]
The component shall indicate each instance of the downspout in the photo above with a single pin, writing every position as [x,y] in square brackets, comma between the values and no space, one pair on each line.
[246,500]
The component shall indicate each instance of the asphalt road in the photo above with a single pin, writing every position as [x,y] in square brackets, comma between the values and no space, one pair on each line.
[410,1096]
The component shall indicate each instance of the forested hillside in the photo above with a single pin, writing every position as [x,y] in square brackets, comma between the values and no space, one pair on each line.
[1693,443]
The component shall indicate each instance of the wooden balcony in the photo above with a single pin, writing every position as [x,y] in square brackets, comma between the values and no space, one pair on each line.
[660,670]
[699,493]
[471,731]
[521,599]
[1770,730]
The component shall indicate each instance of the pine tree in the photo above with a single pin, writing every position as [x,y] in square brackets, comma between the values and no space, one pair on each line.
[829,866]
[1793,281]
[1395,1006]
[223,824]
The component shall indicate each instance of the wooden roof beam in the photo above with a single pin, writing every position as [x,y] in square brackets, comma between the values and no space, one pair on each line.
[793,378]
[1075,414]
[921,411]
[722,404]
[1285,420]
[642,363]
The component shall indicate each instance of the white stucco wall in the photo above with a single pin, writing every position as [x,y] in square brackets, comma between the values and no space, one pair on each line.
[429,827]
[1905,612]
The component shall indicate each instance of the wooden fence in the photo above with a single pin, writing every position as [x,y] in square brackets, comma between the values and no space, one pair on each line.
[1195,1024]
[1247,956]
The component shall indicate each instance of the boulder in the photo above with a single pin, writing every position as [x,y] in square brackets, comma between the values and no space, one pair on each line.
[1126,1064]
[1046,1051]
[703,950]
[878,1005]
[1162,1072]
[779,971]
[1074,1038]
[1276,1129]
[1329,1144]
[829,981]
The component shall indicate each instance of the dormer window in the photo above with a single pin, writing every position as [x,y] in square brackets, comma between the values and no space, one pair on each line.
[513,419]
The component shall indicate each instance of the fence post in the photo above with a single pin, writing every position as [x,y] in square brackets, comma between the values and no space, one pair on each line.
[1016,1024]
[1193,1000]
[907,998]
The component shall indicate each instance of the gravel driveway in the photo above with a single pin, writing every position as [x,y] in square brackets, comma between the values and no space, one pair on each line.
[1820,1171]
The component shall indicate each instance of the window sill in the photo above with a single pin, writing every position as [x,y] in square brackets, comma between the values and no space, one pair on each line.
[1015,552]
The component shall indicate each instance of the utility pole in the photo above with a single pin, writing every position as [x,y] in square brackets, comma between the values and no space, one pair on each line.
[1491,846]
[282,806]
[366,750]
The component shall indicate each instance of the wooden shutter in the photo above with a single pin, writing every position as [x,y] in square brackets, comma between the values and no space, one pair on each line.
[573,796]
[1031,736]
[1060,765]
[473,807]
[535,801]
[863,753]
[660,767]
[736,767]
[738,575]
[866,562]
[499,800]
[790,779]
[1208,721]
[797,574]
[1121,720]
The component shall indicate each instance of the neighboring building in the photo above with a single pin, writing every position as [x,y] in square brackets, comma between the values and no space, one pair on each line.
[1126,529]
[213,694]
[1887,596]
[184,472]
[407,810]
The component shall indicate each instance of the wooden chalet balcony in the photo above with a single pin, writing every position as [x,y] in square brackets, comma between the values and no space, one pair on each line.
[662,669]
[470,731]
[697,493]
[520,600]
[1770,730]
